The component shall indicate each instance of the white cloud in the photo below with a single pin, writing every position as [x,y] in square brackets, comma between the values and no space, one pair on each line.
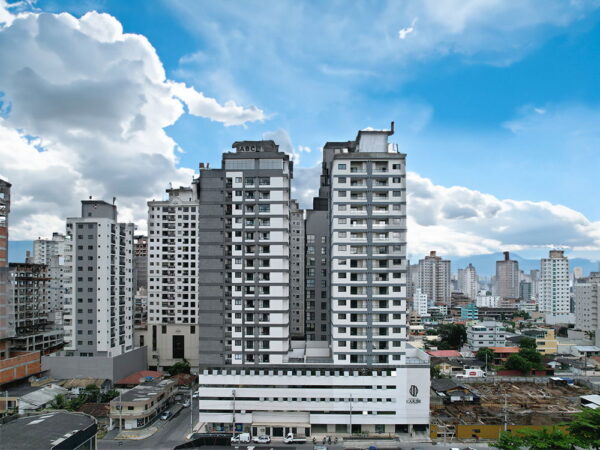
[404,32]
[85,107]
[460,221]
[230,113]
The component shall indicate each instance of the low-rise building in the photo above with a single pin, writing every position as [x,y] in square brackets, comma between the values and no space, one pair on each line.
[138,406]
[40,398]
[469,312]
[53,430]
[501,354]
[451,392]
[486,334]
[308,400]
[545,340]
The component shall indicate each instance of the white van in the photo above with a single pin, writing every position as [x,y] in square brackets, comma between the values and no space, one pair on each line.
[242,438]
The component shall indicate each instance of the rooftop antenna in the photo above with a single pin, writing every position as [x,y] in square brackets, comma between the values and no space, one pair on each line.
[114,200]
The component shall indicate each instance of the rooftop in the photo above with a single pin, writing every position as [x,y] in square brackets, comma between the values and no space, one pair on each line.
[145,391]
[444,353]
[43,430]
[505,349]
[141,377]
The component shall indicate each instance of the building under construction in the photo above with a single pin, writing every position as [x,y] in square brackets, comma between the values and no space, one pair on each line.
[504,406]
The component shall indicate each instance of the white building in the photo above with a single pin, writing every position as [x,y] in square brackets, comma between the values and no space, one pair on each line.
[483,300]
[45,250]
[434,278]
[368,250]
[468,281]
[586,293]
[486,334]
[172,299]
[554,296]
[365,378]
[420,303]
[98,283]
[309,400]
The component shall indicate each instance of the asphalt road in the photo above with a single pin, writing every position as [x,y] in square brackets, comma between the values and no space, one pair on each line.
[169,435]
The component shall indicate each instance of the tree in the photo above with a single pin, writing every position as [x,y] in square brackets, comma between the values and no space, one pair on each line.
[542,439]
[452,336]
[527,342]
[435,372]
[517,362]
[108,396]
[59,402]
[179,367]
[486,355]
[585,427]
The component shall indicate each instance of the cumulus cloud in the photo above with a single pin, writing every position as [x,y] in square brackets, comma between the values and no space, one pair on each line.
[84,110]
[460,221]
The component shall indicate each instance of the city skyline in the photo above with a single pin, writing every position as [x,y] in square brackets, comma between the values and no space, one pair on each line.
[169,79]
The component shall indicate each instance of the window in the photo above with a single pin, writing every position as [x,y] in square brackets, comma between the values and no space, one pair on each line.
[342,166]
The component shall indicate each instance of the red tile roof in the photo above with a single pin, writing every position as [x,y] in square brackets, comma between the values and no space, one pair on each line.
[505,349]
[135,378]
[444,353]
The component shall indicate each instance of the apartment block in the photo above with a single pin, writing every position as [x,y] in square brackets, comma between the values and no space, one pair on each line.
[34,326]
[554,297]
[172,262]
[586,293]
[140,263]
[434,278]
[507,278]
[98,282]
[318,304]
[486,334]
[297,272]
[255,375]
[468,281]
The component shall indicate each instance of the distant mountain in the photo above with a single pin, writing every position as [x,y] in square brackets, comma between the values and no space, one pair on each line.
[486,264]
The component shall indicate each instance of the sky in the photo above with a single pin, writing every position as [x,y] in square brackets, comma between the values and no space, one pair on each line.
[496,105]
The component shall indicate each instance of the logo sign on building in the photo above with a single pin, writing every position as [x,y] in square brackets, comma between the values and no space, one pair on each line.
[413,391]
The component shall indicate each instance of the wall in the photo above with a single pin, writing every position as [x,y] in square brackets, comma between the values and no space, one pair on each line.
[113,369]
[21,365]
[481,431]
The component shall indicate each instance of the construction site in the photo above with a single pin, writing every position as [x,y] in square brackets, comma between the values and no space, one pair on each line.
[505,406]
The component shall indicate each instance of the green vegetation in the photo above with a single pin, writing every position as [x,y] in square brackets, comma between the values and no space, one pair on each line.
[91,394]
[543,439]
[583,431]
[179,367]
[527,342]
[486,355]
[452,336]
[435,372]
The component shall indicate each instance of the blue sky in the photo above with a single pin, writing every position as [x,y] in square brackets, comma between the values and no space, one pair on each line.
[497,99]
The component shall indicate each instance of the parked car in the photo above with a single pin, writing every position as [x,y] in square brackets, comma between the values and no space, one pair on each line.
[186,404]
[262,439]
[291,439]
[196,395]
[165,415]
[242,438]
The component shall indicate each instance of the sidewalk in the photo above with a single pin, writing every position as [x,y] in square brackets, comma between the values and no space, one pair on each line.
[137,434]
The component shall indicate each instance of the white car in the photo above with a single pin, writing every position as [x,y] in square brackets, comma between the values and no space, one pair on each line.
[242,438]
[262,439]
[196,395]
[186,404]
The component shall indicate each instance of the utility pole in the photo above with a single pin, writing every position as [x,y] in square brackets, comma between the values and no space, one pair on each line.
[233,415]
[191,411]
[120,412]
[505,411]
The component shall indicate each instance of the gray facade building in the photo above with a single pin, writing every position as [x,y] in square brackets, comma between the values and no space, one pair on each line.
[98,305]
[140,263]
[507,278]
[35,328]
[244,255]
[433,278]
[318,300]
[297,272]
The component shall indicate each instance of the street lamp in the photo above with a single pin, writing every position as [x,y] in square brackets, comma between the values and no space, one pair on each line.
[233,415]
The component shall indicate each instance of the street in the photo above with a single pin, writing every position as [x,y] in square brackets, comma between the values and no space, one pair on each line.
[168,436]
